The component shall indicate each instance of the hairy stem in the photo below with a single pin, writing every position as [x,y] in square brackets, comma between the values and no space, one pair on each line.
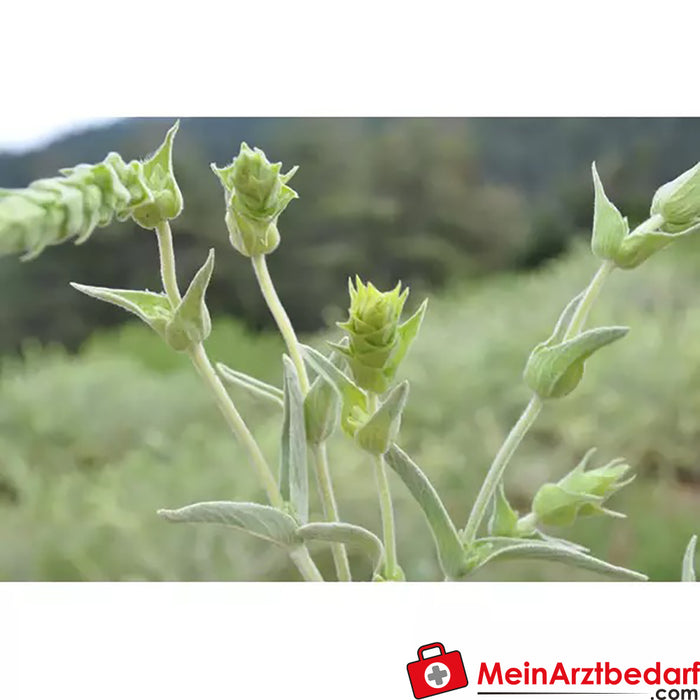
[592,292]
[498,467]
[386,506]
[323,475]
[529,415]
[281,319]
[202,364]
[234,420]
[167,263]
[330,508]
[303,561]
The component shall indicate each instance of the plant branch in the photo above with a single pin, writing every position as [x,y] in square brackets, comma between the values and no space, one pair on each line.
[303,561]
[278,312]
[330,508]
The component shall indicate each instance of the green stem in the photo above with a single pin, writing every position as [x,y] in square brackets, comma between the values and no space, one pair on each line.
[498,467]
[527,418]
[167,263]
[330,508]
[281,319]
[386,507]
[233,418]
[303,561]
[592,292]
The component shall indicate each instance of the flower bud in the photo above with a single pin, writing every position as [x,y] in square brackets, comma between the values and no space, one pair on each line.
[678,201]
[256,194]
[580,493]
[555,367]
[378,341]
[381,429]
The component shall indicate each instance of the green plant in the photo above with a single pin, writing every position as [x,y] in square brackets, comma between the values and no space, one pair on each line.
[355,386]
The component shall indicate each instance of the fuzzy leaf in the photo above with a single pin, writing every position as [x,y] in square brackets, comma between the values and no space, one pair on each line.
[264,522]
[191,323]
[555,552]
[380,431]
[154,309]
[504,520]
[689,560]
[609,226]
[251,384]
[407,334]
[354,399]
[449,546]
[322,406]
[350,535]
[554,371]
[294,478]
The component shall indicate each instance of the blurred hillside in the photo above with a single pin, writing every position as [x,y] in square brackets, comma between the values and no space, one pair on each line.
[91,445]
[428,201]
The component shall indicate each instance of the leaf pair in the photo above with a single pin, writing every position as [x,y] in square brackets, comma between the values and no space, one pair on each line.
[278,527]
[183,327]
[555,367]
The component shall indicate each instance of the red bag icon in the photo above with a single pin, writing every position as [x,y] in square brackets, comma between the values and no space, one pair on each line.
[436,674]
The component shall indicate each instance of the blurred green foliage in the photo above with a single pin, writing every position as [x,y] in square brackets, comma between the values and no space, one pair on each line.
[92,444]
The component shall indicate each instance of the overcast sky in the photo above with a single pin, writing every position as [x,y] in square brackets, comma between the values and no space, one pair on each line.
[21,134]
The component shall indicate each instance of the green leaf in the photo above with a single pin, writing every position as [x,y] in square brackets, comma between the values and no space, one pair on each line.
[555,552]
[159,175]
[504,519]
[380,431]
[251,384]
[264,522]
[449,546]
[354,399]
[322,406]
[689,560]
[294,478]
[407,332]
[350,535]
[609,226]
[554,371]
[154,309]
[191,323]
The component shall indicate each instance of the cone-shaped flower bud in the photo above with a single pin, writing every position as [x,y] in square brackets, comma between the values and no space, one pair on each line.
[256,194]
[378,342]
[83,198]
[555,367]
[580,493]
[678,201]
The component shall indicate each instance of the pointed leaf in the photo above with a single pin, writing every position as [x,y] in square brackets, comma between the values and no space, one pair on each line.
[294,478]
[261,521]
[449,546]
[689,560]
[407,334]
[191,323]
[251,384]
[350,535]
[554,552]
[555,371]
[354,399]
[504,519]
[609,226]
[154,309]
[322,406]
[380,431]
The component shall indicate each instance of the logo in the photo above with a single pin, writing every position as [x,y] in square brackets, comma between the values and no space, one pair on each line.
[438,673]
